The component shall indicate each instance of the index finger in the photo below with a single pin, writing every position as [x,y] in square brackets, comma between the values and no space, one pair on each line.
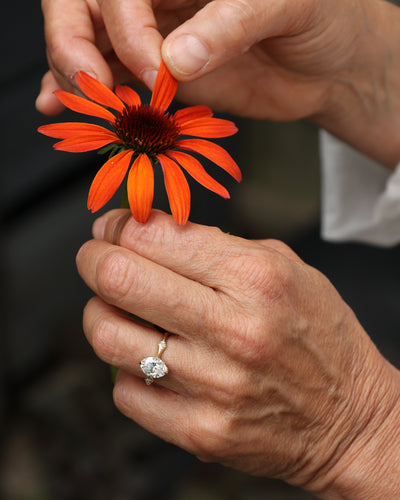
[132,28]
[220,261]
[151,292]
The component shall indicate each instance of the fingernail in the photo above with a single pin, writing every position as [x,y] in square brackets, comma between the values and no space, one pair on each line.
[99,227]
[74,81]
[148,76]
[187,54]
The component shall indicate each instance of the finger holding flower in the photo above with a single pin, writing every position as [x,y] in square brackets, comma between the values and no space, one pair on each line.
[269,370]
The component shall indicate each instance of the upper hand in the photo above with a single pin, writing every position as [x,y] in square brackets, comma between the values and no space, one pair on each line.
[256,58]
[269,370]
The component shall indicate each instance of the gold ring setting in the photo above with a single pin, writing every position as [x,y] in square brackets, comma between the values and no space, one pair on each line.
[153,366]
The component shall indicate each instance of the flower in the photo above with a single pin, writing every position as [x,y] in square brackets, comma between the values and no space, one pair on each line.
[143,136]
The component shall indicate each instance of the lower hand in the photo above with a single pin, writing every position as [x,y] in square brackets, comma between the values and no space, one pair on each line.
[269,370]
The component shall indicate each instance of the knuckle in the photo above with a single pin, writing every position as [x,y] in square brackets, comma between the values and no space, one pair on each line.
[159,229]
[241,13]
[282,248]
[277,245]
[115,275]
[211,437]
[264,292]
[126,232]
[250,344]
[264,276]
[103,339]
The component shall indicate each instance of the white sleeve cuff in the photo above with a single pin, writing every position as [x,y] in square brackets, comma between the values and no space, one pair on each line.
[360,198]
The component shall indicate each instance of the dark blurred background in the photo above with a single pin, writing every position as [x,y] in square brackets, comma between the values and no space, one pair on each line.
[61,437]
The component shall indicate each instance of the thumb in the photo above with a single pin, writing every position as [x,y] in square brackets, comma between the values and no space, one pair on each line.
[224,29]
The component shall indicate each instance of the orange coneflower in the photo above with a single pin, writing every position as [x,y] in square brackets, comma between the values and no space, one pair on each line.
[142,136]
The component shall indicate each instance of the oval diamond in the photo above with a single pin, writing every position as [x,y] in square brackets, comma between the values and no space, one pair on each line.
[153,367]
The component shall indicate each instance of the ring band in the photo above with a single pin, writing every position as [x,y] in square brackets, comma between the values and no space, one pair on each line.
[153,366]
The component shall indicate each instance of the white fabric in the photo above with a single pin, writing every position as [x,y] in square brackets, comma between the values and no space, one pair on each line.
[360,198]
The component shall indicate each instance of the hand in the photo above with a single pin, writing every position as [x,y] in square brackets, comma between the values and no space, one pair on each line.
[335,62]
[276,59]
[269,370]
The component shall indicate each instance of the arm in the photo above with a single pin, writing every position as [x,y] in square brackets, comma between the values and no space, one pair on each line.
[269,370]
[335,63]
[363,108]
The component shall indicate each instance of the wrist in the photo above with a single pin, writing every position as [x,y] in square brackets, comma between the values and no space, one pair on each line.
[369,468]
[362,106]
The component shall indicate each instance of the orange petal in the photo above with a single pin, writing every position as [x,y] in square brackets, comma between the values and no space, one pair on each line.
[141,188]
[128,95]
[209,127]
[70,129]
[177,189]
[108,180]
[98,92]
[164,89]
[88,142]
[213,152]
[193,112]
[197,171]
[82,105]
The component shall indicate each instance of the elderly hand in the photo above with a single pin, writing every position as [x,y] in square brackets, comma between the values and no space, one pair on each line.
[269,370]
[267,51]
[335,61]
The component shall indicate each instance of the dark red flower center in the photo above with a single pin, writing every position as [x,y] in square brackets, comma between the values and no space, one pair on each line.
[146,130]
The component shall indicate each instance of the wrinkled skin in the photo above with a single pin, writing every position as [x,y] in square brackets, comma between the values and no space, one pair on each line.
[334,62]
[118,39]
[269,370]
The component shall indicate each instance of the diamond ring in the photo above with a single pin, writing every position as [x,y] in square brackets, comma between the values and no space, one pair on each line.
[153,366]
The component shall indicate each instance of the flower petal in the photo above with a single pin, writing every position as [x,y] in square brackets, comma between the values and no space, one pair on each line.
[108,180]
[98,92]
[88,142]
[70,129]
[193,112]
[177,189]
[164,89]
[213,152]
[141,188]
[197,171]
[209,127]
[128,95]
[82,105]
